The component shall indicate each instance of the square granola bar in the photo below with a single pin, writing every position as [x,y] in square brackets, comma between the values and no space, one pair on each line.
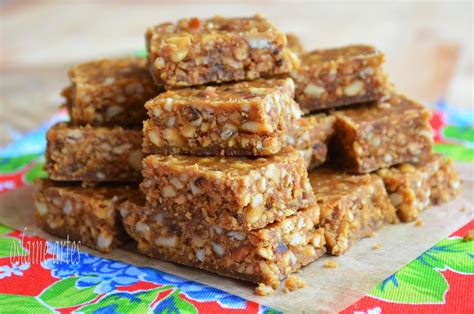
[217,50]
[329,78]
[246,118]
[352,206]
[88,215]
[264,256]
[93,154]
[109,91]
[235,193]
[381,134]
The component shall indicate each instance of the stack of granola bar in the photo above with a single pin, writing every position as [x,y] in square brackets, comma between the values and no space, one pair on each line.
[237,178]
[94,161]
[382,140]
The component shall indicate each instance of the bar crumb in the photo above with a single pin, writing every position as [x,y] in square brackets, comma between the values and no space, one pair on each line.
[462,209]
[293,283]
[330,264]
[419,223]
[264,290]
[377,246]
[469,236]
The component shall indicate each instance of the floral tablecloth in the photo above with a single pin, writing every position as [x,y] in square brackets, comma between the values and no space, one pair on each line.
[43,277]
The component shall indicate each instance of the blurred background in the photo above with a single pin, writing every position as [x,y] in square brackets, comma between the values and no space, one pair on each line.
[428,44]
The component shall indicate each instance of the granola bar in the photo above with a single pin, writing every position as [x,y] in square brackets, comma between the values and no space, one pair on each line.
[329,78]
[109,91]
[246,118]
[216,50]
[266,255]
[352,207]
[445,183]
[381,134]
[233,193]
[88,215]
[85,153]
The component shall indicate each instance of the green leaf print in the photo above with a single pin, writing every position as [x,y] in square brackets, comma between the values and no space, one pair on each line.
[9,165]
[4,229]
[10,247]
[124,302]
[174,304]
[10,303]
[422,281]
[64,293]
[35,172]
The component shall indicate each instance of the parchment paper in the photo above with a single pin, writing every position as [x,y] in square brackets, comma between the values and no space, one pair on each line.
[327,289]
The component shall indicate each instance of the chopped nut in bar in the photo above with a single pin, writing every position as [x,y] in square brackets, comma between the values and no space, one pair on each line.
[93,154]
[88,215]
[109,91]
[217,50]
[246,118]
[444,183]
[265,256]
[235,193]
[352,207]
[381,134]
[330,78]
[409,185]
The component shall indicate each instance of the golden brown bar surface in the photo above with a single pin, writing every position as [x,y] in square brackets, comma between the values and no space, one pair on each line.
[329,78]
[88,215]
[381,134]
[217,50]
[245,118]
[445,183]
[109,91]
[265,255]
[93,154]
[233,193]
[352,207]
[412,187]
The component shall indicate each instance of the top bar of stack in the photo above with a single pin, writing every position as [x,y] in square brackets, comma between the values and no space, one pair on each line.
[216,50]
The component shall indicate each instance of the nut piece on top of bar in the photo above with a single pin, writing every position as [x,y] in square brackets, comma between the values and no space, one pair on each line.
[266,255]
[216,50]
[330,78]
[245,118]
[413,186]
[233,193]
[89,215]
[381,134]
[93,154]
[352,206]
[109,91]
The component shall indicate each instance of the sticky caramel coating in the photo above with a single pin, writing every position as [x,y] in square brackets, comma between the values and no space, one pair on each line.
[246,118]
[352,207]
[93,154]
[197,52]
[88,215]
[265,255]
[329,78]
[235,193]
[380,134]
[109,92]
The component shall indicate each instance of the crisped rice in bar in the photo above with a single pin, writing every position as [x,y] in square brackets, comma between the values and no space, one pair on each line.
[266,255]
[109,91]
[239,119]
[217,50]
[381,134]
[93,154]
[235,193]
[329,78]
[445,183]
[294,43]
[88,215]
[352,207]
